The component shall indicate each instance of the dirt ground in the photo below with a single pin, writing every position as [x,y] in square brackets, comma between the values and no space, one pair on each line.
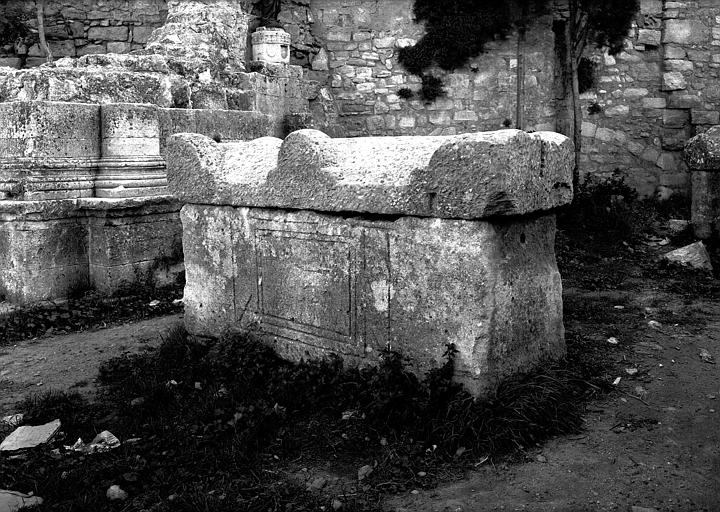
[654,443]
[658,449]
[70,361]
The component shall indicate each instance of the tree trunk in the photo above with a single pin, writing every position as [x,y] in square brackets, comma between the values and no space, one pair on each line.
[520,100]
[569,114]
[575,89]
[40,4]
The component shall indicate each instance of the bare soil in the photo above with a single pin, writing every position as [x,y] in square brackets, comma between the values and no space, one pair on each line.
[654,444]
[71,361]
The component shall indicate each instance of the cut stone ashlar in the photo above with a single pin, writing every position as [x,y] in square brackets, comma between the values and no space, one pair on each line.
[472,176]
[348,246]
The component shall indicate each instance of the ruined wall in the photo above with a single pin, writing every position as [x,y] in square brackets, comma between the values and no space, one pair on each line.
[352,46]
[81,27]
[655,95]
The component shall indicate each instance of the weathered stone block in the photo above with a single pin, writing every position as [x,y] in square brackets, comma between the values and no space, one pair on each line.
[129,240]
[321,284]
[130,129]
[649,37]
[675,118]
[681,65]
[471,176]
[43,250]
[705,116]
[48,249]
[704,210]
[445,257]
[70,84]
[651,6]
[673,81]
[654,102]
[685,32]
[48,150]
[108,33]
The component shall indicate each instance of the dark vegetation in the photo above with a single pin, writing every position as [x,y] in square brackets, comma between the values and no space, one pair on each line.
[609,238]
[587,74]
[228,425]
[86,310]
[13,24]
[459,30]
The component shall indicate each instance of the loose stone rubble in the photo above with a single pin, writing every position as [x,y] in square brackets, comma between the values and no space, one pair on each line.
[351,245]
[693,256]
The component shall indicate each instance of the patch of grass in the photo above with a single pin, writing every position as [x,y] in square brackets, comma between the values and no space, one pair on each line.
[607,215]
[220,424]
[87,311]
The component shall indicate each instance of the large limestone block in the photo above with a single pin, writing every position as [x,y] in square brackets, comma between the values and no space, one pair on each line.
[49,249]
[130,129]
[48,150]
[479,175]
[131,240]
[46,129]
[93,84]
[43,250]
[131,164]
[705,204]
[316,284]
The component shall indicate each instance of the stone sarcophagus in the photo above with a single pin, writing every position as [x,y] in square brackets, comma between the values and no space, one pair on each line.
[349,246]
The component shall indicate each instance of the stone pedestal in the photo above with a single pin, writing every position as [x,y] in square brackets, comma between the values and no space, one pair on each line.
[48,150]
[702,155]
[131,165]
[347,246]
[271,45]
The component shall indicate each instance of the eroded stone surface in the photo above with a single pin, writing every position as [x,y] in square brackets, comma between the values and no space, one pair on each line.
[50,248]
[204,32]
[468,176]
[318,284]
[702,155]
[702,152]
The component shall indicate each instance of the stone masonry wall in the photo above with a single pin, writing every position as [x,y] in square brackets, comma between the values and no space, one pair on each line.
[662,89]
[351,46]
[649,100]
[80,27]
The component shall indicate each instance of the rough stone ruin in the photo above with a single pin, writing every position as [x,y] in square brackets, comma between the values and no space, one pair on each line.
[351,245]
[83,197]
[325,245]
